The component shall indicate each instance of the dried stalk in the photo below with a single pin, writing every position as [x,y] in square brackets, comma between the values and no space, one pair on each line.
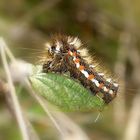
[16,105]
[132,128]
[43,105]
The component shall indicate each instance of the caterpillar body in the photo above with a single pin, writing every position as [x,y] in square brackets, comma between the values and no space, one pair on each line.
[66,55]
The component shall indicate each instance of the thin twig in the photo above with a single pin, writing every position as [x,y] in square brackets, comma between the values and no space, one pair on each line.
[131,132]
[43,105]
[5,91]
[132,128]
[10,55]
[120,69]
[16,105]
[31,131]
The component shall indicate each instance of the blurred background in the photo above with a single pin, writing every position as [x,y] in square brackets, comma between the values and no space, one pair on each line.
[109,29]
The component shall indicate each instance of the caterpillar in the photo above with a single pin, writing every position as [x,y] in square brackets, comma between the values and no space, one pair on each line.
[66,55]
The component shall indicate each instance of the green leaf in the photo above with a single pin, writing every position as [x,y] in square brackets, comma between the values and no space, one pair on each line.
[65,93]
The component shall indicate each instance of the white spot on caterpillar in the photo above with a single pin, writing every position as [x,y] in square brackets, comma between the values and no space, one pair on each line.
[77,65]
[70,53]
[96,82]
[57,48]
[74,58]
[110,91]
[58,45]
[85,73]
[105,89]
[78,51]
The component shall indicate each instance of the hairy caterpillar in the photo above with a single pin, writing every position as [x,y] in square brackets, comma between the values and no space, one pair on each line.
[66,55]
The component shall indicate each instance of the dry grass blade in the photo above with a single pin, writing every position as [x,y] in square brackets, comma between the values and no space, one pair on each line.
[16,105]
[132,128]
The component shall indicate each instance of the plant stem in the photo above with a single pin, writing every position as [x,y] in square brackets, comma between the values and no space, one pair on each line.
[16,105]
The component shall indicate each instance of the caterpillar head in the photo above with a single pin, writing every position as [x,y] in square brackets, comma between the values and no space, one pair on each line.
[61,44]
